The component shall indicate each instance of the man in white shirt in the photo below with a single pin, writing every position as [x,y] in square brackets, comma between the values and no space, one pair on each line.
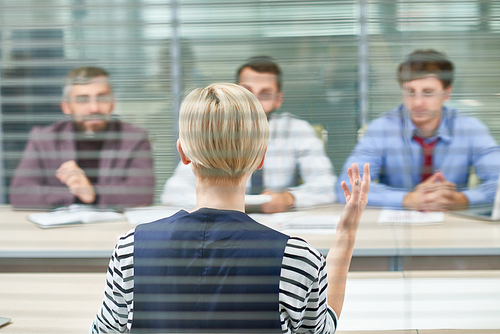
[297,173]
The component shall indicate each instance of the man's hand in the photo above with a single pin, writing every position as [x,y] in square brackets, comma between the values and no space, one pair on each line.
[435,194]
[74,177]
[280,202]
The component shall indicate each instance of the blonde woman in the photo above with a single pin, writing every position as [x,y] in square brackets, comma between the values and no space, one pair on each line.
[215,269]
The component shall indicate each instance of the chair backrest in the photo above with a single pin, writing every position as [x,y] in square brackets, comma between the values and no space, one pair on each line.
[473,178]
[321,132]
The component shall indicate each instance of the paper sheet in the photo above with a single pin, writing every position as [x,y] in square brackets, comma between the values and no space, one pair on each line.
[409,217]
[294,223]
[300,222]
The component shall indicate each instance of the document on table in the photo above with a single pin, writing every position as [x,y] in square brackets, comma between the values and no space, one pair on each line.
[409,217]
[299,222]
[148,214]
[294,223]
[4,321]
[74,214]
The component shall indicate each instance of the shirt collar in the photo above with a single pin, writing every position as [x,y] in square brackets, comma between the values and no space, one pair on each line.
[443,132]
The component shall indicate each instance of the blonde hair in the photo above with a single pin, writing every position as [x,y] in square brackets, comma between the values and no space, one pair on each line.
[223,130]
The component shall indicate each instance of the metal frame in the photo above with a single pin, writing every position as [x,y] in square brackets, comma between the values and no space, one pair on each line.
[3,188]
[363,65]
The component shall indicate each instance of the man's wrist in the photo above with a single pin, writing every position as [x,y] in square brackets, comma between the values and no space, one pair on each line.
[96,199]
[461,201]
[407,201]
[289,199]
[88,194]
[88,199]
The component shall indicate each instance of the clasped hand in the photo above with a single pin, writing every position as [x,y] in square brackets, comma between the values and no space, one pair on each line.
[280,202]
[74,177]
[435,194]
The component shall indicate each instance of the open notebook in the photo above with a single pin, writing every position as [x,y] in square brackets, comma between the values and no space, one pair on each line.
[4,321]
[74,214]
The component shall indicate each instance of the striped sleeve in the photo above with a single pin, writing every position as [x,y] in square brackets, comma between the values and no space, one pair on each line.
[115,314]
[303,306]
[303,283]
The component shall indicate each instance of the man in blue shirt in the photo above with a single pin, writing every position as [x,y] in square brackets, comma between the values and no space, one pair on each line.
[422,152]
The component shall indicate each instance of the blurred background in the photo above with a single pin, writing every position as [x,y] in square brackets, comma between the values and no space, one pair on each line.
[339,60]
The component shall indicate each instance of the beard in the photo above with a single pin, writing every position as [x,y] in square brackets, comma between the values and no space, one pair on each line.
[91,123]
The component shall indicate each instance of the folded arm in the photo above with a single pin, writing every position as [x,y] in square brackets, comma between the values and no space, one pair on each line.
[134,184]
[316,172]
[371,152]
[486,163]
[30,187]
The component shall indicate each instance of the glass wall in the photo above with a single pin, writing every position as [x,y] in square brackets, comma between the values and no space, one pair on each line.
[466,31]
[156,50]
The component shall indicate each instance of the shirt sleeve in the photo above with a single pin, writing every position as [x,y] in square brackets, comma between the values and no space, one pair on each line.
[115,313]
[136,187]
[180,189]
[315,168]
[29,186]
[485,160]
[371,150]
[303,291]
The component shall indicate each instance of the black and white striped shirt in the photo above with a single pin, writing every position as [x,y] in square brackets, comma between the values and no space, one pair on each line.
[302,297]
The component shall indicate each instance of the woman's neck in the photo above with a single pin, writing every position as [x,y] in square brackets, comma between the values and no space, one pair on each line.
[221,197]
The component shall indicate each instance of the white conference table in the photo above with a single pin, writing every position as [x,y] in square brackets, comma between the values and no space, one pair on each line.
[432,302]
[24,244]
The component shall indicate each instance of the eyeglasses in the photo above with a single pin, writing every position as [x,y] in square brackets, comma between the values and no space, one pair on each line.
[423,95]
[84,99]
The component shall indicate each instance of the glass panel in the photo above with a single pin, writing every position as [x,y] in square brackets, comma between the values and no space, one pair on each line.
[315,43]
[464,30]
[42,42]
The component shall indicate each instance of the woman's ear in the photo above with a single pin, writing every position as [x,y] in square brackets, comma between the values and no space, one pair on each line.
[184,159]
[262,162]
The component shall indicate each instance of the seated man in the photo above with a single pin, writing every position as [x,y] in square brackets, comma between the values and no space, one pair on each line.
[89,159]
[215,269]
[294,151]
[422,152]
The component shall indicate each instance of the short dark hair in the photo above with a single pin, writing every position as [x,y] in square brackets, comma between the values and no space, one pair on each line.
[421,63]
[262,64]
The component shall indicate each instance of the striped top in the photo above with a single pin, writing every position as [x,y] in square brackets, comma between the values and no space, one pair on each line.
[302,298]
